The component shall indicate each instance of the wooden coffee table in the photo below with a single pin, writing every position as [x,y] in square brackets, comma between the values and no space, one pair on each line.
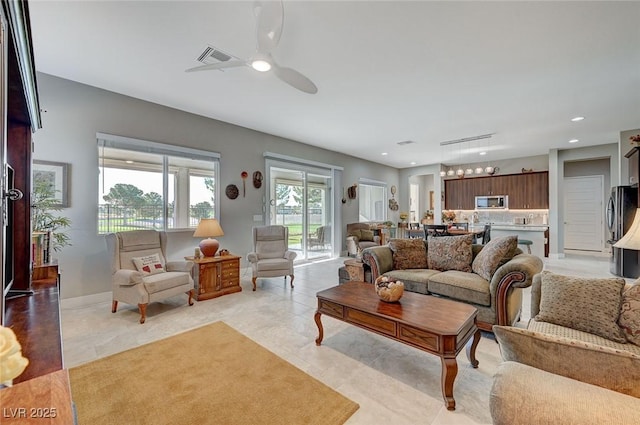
[435,325]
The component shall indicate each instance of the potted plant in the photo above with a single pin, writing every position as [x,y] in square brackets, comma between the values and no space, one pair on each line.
[43,217]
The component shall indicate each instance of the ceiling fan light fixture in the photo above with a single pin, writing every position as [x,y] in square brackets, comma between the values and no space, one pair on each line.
[261,65]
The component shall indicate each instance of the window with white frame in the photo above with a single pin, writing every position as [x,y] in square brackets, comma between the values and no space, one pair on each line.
[148,185]
[372,198]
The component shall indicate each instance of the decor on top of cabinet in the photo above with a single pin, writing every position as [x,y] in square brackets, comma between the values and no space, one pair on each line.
[403,216]
[524,170]
[427,217]
[208,228]
[351,191]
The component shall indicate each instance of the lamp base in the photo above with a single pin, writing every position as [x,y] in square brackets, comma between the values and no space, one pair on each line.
[209,247]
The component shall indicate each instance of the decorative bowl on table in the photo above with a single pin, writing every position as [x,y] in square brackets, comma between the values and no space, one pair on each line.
[389,289]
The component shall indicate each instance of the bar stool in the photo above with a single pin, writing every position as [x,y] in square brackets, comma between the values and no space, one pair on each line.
[526,242]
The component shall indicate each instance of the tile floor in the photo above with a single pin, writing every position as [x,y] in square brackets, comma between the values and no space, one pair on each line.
[391,382]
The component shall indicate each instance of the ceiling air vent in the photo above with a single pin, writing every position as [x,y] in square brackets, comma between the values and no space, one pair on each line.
[213,55]
[406,142]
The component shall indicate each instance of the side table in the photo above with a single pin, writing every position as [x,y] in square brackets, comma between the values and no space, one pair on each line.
[216,276]
[355,269]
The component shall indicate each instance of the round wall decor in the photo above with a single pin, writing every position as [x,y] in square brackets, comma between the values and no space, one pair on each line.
[257,179]
[232,191]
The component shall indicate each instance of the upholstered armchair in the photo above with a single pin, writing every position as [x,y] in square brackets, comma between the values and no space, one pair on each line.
[140,273]
[271,256]
[360,235]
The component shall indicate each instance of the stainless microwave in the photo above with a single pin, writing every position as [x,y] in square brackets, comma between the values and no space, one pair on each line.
[492,202]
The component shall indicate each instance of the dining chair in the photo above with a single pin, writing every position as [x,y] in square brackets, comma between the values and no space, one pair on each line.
[436,230]
[414,231]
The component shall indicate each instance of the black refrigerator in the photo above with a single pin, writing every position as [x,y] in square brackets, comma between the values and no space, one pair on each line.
[621,209]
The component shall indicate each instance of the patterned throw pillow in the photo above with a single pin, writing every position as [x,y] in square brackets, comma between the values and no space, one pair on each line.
[149,264]
[495,253]
[450,253]
[588,305]
[408,254]
[629,319]
[357,233]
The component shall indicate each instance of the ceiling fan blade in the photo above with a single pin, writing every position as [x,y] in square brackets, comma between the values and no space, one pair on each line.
[221,65]
[294,79]
[270,18]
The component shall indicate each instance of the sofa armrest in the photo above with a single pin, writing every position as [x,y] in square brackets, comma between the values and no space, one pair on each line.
[179,266]
[605,367]
[379,259]
[125,277]
[515,273]
[522,394]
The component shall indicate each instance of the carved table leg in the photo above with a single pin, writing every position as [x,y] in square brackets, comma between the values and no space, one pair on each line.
[449,372]
[316,317]
[471,348]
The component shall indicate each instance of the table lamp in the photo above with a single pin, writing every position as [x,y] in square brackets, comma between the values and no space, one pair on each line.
[631,239]
[208,228]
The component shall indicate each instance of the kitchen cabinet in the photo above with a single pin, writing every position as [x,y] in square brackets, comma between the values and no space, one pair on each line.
[525,191]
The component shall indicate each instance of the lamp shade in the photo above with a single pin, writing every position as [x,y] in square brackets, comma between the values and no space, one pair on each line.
[631,239]
[208,228]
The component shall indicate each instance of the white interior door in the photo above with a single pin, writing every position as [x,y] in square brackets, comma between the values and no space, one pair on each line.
[584,213]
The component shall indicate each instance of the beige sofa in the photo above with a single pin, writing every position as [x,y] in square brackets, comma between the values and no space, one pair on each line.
[453,267]
[578,361]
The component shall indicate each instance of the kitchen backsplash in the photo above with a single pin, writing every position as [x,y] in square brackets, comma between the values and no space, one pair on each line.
[540,217]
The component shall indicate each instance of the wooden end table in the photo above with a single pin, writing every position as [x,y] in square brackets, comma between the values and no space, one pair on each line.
[216,276]
[435,325]
[355,269]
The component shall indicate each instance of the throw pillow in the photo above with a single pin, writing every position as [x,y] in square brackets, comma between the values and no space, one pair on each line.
[629,319]
[357,233]
[408,254]
[606,367]
[366,235]
[586,304]
[450,253]
[493,255]
[149,264]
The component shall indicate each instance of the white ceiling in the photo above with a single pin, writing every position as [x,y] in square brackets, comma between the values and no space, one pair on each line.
[386,71]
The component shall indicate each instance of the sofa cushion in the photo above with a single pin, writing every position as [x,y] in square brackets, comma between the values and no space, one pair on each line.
[161,282]
[602,366]
[415,280]
[495,253]
[629,319]
[450,253]
[462,286]
[586,304]
[563,331]
[408,254]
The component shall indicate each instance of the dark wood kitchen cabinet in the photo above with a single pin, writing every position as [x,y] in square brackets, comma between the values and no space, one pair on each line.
[525,191]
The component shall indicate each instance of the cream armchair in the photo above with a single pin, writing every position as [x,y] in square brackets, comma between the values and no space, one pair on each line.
[141,274]
[271,256]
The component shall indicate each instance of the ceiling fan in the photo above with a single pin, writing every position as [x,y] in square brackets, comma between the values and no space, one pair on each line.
[270,19]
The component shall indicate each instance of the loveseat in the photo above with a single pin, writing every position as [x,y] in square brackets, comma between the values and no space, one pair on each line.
[490,277]
[578,360]
[360,235]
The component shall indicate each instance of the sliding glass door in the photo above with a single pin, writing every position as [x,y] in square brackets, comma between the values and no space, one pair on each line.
[300,198]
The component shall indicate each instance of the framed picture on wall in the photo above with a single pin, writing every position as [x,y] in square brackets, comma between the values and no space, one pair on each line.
[55,176]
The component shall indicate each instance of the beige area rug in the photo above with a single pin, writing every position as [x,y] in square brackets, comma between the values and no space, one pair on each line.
[209,375]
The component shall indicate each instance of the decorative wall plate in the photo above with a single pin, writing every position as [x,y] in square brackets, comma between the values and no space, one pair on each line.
[393,190]
[232,191]
[393,204]
[257,179]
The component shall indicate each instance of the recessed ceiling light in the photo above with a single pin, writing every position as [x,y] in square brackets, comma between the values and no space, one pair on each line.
[576,119]
[384,153]
[413,163]
[483,153]
[574,141]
